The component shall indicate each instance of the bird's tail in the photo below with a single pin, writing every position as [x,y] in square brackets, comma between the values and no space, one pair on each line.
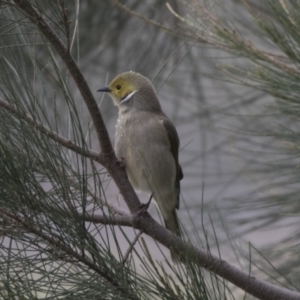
[172,224]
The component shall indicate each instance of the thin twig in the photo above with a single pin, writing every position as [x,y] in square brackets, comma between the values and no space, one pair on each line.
[145,19]
[48,132]
[161,278]
[65,21]
[127,220]
[132,244]
[113,209]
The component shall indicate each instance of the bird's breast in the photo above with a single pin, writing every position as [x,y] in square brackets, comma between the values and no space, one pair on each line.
[142,142]
[127,136]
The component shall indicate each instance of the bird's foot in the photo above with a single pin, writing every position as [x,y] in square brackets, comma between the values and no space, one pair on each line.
[143,207]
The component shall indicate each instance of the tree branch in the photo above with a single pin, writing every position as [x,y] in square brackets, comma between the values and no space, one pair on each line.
[132,244]
[48,132]
[149,21]
[108,220]
[250,284]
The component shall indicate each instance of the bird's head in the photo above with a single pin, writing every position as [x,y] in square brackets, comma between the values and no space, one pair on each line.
[132,89]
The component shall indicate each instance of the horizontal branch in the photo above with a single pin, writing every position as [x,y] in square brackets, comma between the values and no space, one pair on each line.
[146,224]
[252,285]
[108,220]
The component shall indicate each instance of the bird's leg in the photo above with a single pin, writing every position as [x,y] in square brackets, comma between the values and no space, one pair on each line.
[143,207]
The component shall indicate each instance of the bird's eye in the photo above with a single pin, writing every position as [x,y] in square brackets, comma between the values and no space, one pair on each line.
[118,87]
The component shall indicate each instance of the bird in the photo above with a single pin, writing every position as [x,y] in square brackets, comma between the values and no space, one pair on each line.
[147,142]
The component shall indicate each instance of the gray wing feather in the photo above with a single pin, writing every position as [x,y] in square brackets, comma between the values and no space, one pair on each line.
[174,141]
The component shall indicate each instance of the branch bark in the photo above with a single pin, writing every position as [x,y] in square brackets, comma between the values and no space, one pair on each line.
[107,155]
[108,220]
[250,284]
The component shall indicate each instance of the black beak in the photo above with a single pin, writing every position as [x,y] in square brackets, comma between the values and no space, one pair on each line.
[104,89]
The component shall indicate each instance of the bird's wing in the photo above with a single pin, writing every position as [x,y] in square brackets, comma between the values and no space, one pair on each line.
[174,141]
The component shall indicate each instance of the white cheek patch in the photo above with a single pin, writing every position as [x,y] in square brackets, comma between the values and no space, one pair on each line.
[128,97]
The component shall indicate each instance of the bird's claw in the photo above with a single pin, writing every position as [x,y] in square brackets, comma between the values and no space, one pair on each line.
[143,207]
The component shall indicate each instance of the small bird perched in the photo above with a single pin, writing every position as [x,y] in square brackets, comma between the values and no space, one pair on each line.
[147,142]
